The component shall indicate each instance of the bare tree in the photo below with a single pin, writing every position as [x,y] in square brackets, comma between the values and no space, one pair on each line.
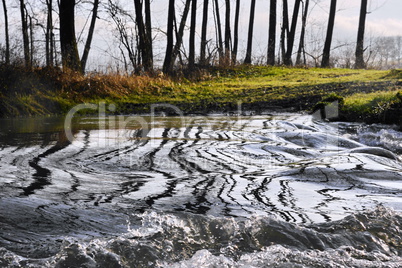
[204,33]
[173,49]
[360,64]
[180,32]
[68,42]
[31,41]
[49,34]
[236,33]
[271,33]
[25,36]
[292,32]
[140,29]
[125,34]
[149,54]
[169,46]
[285,29]
[144,34]
[7,32]
[227,31]
[219,31]
[247,60]
[90,35]
[302,35]
[328,39]
[191,58]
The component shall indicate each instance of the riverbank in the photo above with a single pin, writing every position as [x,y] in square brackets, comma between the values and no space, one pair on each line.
[363,95]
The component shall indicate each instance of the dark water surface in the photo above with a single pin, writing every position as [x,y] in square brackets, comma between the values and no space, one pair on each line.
[218,191]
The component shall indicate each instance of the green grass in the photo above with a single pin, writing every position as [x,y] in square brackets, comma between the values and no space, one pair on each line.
[370,102]
[260,84]
[50,91]
[293,77]
[381,106]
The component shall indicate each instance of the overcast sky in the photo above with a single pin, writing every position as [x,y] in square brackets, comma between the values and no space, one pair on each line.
[384,18]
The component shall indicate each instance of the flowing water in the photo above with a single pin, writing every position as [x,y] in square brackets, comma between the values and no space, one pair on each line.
[218,191]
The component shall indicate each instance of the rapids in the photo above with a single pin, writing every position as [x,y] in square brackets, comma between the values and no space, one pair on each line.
[279,190]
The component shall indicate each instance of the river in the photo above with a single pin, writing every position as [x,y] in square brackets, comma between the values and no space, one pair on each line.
[273,190]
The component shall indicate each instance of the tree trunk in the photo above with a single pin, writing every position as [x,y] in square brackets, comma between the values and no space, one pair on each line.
[204,33]
[25,36]
[236,33]
[285,29]
[302,34]
[191,57]
[247,60]
[168,63]
[7,32]
[53,48]
[144,34]
[219,31]
[149,55]
[68,42]
[31,43]
[360,64]
[141,31]
[328,39]
[179,34]
[291,37]
[90,35]
[271,33]
[227,32]
[49,34]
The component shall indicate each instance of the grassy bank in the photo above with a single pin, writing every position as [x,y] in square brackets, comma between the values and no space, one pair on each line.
[366,94]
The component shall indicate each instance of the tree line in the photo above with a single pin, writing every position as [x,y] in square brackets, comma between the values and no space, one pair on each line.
[137,43]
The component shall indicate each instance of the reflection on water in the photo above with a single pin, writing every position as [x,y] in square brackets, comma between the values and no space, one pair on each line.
[116,171]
